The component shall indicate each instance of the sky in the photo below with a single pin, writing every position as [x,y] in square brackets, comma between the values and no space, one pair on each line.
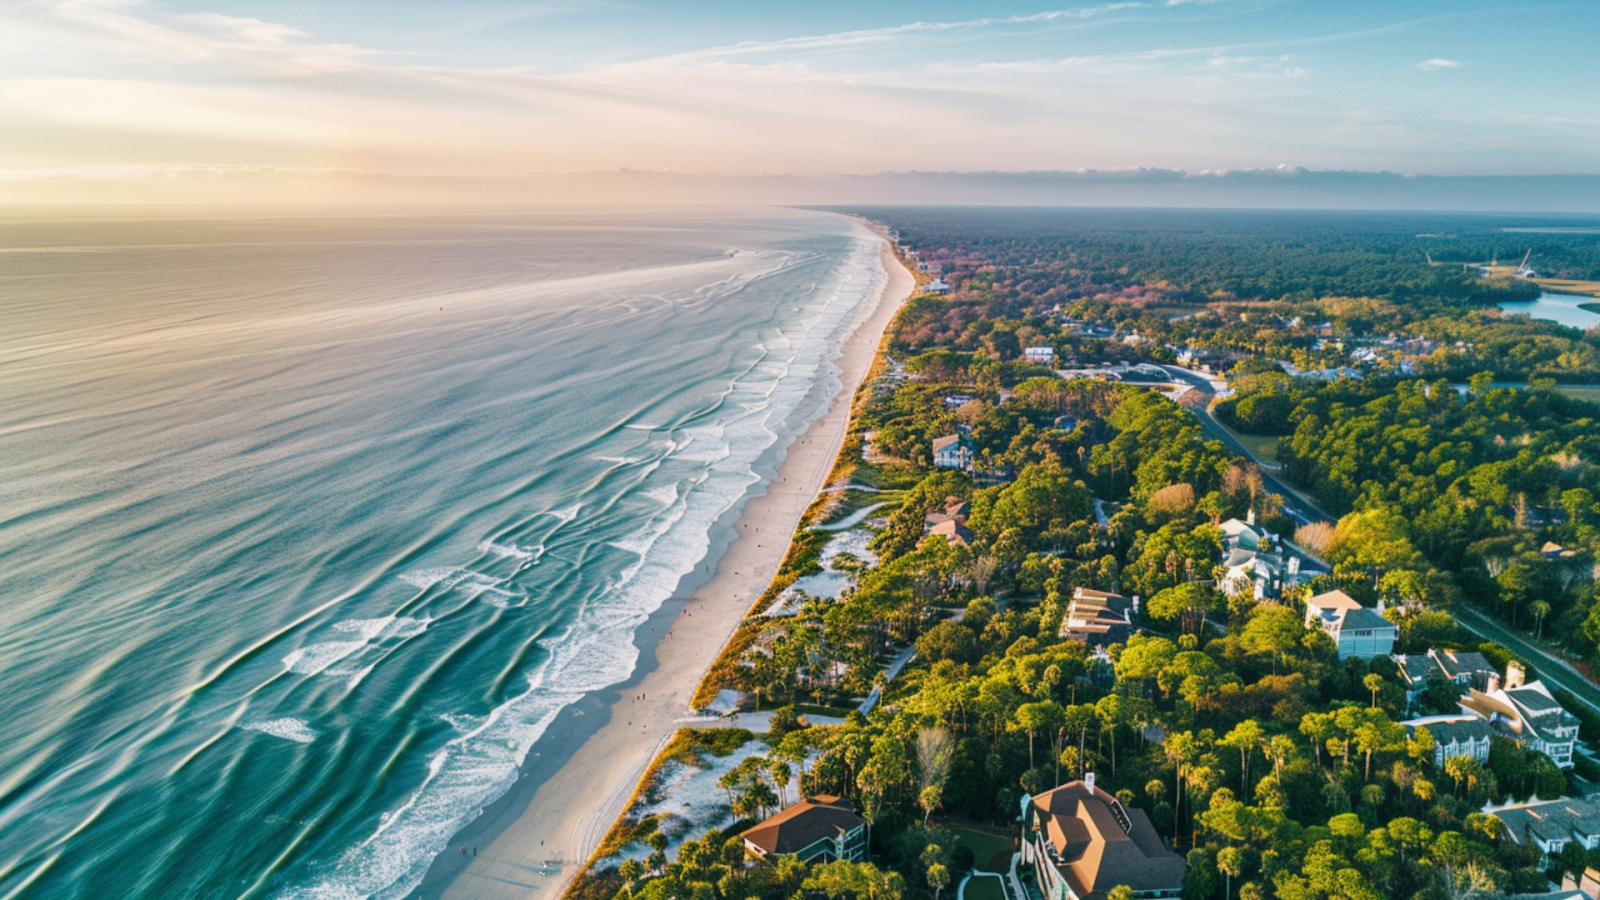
[246,100]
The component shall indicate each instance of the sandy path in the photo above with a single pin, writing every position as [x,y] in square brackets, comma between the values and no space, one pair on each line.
[539,851]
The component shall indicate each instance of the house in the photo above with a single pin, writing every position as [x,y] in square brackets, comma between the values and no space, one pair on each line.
[1066,423]
[1553,550]
[955,533]
[1462,667]
[1262,575]
[1039,356]
[955,510]
[1454,735]
[822,828]
[936,286]
[1083,843]
[1527,714]
[1097,618]
[1359,632]
[952,452]
[956,401]
[1236,534]
[1549,825]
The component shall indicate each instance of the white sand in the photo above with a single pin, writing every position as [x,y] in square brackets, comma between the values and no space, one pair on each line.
[570,811]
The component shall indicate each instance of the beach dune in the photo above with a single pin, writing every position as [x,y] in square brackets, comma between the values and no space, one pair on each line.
[532,844]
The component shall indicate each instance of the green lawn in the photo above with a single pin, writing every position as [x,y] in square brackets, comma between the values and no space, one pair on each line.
[1263,446]
[985,888]
[1589,392]
[990,852]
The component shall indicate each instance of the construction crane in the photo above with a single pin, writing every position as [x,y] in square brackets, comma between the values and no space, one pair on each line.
[1522,269]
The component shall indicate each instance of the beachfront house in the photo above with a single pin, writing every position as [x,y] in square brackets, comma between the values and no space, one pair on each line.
[1083,842]
[1461,734]
[1359,632]
[952,452]
[823,828]
[1527,714]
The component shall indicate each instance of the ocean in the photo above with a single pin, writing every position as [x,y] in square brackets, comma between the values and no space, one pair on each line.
[310,523]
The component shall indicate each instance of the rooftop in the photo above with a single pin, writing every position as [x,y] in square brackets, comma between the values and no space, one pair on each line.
[1100,844]
[803,824]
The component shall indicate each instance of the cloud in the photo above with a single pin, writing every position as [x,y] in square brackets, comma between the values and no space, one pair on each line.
[869,36]
[1435,64]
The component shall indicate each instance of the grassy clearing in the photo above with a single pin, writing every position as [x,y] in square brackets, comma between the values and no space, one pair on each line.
[1589,392]
[1263,447]
[991,852]
[1564,286]
[984,888]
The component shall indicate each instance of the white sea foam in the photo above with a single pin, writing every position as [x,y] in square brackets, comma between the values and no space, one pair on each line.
[385,627]
[621,460]
[511,551]
[476,585]
[427,578]
[313,658]
[597,650]
[567,514]
[665,495]
[289,729]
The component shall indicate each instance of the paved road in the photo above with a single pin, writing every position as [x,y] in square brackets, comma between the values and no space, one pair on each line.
[1552,669]
[1297,505]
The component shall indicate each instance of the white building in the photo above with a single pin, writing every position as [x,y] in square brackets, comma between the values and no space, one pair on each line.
[1040,356]
[1359,632]
[1454,735]
[952,452]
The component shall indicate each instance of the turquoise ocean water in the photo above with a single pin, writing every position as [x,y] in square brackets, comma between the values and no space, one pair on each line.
[309,525]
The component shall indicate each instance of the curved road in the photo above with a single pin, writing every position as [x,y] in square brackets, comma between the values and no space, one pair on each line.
[1297,505]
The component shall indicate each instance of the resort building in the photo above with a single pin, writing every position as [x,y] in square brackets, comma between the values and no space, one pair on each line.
[1359,632]
[1098,618]
[952,452]
[823,828]
[1527,714]
[1549,825]
[1083,843]
[1454,735]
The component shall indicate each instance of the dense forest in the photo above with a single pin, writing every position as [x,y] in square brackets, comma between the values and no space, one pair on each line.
[1278,769]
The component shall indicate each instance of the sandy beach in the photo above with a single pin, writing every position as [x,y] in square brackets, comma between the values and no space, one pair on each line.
[531,843]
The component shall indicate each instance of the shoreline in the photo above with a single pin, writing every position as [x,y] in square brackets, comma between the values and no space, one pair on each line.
[535,840]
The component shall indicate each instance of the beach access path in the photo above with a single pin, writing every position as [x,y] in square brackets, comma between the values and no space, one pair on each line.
[540,846]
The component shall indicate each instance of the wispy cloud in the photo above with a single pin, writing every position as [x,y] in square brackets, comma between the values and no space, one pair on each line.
[1437,63]
[869,36]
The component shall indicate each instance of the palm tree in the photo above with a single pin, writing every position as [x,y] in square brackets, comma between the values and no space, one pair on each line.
[760,793]
[631,871]
[1540,609]
[781,773]
[1230,862]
